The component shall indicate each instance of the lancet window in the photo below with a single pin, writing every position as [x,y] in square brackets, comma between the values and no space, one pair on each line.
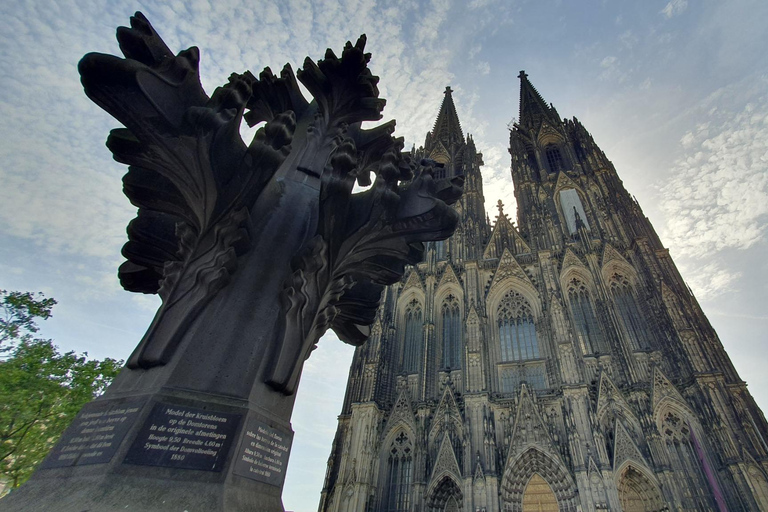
[554,158]
[451,320]
[588,332]
[686,456]
[517,331]
[413,337]
[440,249]
[629,312]
[399,474]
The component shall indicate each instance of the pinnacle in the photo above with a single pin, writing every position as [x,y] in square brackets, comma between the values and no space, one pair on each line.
[447,126]
[533,108]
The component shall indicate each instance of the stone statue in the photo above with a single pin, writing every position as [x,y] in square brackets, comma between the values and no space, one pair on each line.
[255,251]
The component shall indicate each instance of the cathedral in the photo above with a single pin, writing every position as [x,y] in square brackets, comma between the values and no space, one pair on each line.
[557,362]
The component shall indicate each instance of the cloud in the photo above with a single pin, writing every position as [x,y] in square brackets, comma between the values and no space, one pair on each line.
[718,196]
[674,8]
[497,181]
[483,67]
[628,39]
[711,280]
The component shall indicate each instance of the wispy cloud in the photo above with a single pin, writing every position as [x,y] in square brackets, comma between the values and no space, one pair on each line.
[718,196]
[711,280]
[674,8]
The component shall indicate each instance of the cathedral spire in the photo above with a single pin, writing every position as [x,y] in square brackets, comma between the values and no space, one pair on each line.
[533,108]
[447,127]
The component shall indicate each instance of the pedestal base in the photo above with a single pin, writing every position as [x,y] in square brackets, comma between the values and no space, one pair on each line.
[173,451]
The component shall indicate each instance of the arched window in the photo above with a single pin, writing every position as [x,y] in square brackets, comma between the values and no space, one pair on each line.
[588,331]
[634,323]
[440,249]
[517,332]
[413,337]
[686,457]
[451,320]
[554,158]
[399,475]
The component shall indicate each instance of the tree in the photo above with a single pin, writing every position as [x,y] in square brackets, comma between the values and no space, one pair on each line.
[18,311]
[41,389]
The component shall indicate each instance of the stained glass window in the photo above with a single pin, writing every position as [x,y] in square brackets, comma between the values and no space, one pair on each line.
[413,337]
[399,485]
[629,312]
[451,320]
[588,332]
[517,331]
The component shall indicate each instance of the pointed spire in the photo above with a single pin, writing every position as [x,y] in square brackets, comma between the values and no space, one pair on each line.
[447,127]
[533,108]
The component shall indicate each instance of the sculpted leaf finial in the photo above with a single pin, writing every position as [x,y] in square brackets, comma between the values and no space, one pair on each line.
[208,203]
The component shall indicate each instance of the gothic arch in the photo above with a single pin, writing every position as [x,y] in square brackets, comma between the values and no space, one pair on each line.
[411,316]
[519,472]
[449,288]
[638,491]
[760,486]
[396,469]
[618,265]
[538,496]
[549,135]
[444,494]
[632,320]
[450,331]
[514,316]
[582,307]
[511,284]
[685,443]
[579,272]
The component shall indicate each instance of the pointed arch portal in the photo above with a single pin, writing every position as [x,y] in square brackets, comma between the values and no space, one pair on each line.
[446,497]
[637,493]
[520,474]
[538,496]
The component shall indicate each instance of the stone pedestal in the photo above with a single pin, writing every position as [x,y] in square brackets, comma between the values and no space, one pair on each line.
[174,450]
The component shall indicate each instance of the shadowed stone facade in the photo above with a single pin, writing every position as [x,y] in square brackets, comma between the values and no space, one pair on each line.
[560,363]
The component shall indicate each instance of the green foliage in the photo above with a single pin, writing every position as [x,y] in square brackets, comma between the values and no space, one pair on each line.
[41,389]
[18,311]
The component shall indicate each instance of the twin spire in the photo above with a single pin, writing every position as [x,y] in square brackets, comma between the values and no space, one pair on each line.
[533,108]
[447,127]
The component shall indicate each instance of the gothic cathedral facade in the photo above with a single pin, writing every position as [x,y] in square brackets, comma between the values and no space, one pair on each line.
[556,364]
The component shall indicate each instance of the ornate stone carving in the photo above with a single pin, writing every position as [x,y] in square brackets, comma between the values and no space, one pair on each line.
[204,196]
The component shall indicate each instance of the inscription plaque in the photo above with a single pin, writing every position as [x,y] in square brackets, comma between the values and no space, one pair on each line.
[184,437]
[263,453]
[95,434]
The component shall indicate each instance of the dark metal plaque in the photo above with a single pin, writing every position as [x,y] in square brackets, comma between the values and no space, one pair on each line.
[263,453]
[184,437]
[95,434]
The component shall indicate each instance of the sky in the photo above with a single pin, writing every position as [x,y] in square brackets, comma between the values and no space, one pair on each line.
[675,93]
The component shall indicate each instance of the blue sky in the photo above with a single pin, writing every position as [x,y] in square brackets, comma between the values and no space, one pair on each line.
[675,92]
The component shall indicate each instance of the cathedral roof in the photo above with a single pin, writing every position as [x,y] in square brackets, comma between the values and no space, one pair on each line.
[447,127]
[533,108]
